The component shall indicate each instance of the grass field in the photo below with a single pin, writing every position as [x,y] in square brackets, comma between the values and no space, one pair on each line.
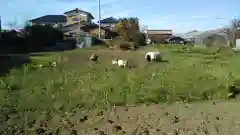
[78,85]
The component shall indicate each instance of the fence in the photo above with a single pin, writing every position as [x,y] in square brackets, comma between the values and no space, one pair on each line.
[83,41]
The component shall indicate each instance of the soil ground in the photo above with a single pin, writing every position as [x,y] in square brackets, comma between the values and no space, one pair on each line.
[199,118]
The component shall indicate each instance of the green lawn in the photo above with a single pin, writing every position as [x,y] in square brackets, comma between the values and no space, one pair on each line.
[188,74]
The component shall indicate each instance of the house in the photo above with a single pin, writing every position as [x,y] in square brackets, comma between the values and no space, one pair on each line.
[73,29]
[53,20]
[109,22]
[17,32]
[77,15]
[191,36]
[67,37]
[237,39]
[75,20]
[68,19]
[238,34]
[175,40]
[158,36]
[93,30]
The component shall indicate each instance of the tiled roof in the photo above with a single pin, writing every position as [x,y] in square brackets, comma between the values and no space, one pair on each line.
[70,27]
[109,20]
[77,23]
[78,10]
[91,26]
[50,19]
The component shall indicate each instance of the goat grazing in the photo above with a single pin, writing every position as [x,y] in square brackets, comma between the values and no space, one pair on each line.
[150,56]
[94,57]
[120,63]
[54,64]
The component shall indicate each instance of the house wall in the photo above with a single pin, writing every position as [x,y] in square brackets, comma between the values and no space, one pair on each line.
[74,29]
[80,17]
[176,40]
[238,34]
[94,33]
[74,32]
[108,25]
[158,38]
[54,25]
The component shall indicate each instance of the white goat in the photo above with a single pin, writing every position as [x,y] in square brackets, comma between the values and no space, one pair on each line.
[150,56]
[54,64]
[120,63]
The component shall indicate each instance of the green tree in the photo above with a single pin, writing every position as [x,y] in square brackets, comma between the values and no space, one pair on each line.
[127,28]
[38,36]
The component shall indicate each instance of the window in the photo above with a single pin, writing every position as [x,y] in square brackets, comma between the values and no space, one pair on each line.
[60,25]
[75,19]
[112,25]
[72,33]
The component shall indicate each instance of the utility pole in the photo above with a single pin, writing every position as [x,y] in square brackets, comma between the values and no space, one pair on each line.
[0,28]
[0,24]
[99,18]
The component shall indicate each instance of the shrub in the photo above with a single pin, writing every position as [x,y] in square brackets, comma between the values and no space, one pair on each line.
[204,49]
[109,43]
[123,45]
[139,39]
[33,38]
[40,36]
[234,89]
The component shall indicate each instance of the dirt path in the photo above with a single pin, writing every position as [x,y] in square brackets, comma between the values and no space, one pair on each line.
[208,118]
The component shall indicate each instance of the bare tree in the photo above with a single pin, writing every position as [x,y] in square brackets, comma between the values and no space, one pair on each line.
[235,25]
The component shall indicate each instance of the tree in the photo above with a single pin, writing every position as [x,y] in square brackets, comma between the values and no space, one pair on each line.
[127,28]
[139,39]
[236,23]
[235,26]
[38,36]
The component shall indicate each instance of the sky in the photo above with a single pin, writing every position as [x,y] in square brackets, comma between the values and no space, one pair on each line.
[177,15]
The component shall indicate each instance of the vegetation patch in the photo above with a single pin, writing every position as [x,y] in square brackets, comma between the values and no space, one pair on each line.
[75,82]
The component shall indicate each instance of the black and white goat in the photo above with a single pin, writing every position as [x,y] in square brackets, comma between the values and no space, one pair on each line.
[151,56]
